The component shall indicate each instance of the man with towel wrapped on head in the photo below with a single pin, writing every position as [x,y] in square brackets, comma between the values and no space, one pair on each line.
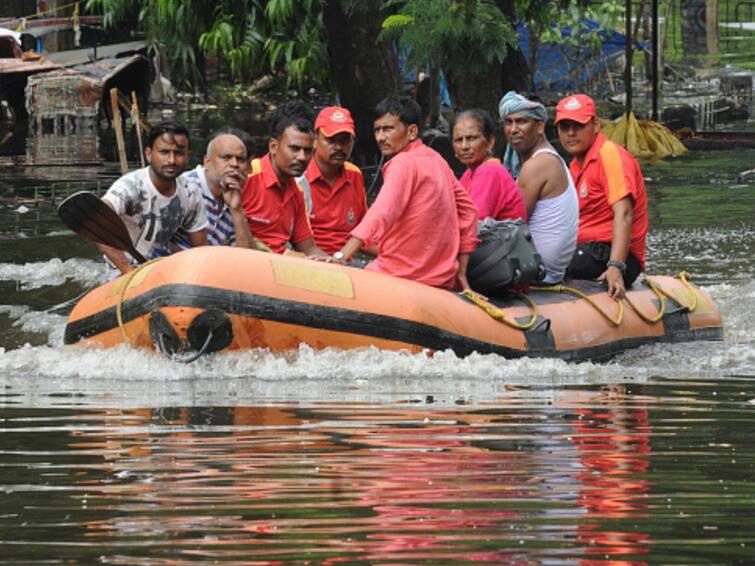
[544,180]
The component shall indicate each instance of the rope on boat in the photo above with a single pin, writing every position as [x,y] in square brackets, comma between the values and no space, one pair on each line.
[657,290]
[498,314]
[572,291]
[658,293]
[192,357]
[684,278]
[119,306]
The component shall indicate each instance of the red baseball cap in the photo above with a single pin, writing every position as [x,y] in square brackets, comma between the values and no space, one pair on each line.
[333,120]
[577,107]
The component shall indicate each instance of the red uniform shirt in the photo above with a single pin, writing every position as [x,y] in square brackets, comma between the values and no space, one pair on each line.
[335,210]
[608,174]
[276,214]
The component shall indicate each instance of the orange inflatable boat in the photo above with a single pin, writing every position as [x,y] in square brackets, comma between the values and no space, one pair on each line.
[214,299]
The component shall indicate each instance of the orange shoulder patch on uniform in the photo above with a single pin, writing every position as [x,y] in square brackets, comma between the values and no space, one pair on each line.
[613,164]
[351,167]
[256,167]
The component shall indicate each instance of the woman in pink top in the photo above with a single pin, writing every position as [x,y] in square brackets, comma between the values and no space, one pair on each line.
[490,186]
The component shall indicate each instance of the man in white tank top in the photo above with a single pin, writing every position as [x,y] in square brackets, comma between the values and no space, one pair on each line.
[544,180]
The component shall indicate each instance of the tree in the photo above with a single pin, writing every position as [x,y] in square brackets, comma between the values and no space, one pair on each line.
[277,35]
[350,45]
[252,36]
[472,41]
[363,67]
[172,27]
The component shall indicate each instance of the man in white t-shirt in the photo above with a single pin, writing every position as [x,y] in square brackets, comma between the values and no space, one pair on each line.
[155,202]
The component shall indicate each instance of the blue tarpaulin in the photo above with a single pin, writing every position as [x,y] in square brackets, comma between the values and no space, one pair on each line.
[562,68]
[559,68]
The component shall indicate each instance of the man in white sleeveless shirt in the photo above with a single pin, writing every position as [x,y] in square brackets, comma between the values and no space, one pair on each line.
[545,183]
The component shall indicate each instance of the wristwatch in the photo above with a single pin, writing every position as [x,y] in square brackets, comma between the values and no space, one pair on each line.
[338,256]
[620,265]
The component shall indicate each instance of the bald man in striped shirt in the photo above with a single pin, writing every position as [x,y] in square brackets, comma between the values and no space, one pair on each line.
[220,179]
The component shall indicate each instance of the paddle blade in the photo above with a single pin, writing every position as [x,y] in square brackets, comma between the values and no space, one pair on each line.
[92,219]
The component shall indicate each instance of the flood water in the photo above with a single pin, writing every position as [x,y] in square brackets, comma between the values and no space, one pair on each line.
[368,457]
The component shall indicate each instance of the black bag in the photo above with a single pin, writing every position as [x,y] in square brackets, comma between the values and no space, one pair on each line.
[505,257]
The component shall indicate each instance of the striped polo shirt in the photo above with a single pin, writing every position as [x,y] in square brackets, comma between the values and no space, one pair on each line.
[220,230]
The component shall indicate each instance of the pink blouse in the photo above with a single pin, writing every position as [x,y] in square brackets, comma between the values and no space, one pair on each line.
[494,192]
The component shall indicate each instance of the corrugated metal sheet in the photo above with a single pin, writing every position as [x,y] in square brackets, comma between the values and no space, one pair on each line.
[11,66]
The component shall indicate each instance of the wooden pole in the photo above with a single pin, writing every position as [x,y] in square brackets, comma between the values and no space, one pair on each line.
[654,57]
[136,118]
[118,127]
[711,28]
[628,56]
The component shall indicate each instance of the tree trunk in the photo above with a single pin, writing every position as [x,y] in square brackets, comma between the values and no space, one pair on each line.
[364,70]
[485,91]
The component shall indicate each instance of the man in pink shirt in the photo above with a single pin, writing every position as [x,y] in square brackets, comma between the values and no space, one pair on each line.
[423,222]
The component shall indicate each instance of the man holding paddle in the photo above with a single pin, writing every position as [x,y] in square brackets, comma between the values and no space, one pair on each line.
[155,202]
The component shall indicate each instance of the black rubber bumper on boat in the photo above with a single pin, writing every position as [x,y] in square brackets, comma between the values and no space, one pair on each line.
[358,322]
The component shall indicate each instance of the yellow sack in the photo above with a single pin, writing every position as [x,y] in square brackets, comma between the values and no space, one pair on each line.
[645,139]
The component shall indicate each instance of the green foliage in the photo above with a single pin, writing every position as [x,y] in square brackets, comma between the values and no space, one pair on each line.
[606,15]
[546,20]
[463,36]
[173,25]
[398,21]
[253,37]
[296,40]
[242,45]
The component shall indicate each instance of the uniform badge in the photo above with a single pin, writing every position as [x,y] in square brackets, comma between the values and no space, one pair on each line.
[583,190]
[572,104]
[351,217]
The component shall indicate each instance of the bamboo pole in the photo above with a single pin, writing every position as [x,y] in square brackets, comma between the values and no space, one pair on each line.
[654,59]
[118,127]
[628,57]
[136,118]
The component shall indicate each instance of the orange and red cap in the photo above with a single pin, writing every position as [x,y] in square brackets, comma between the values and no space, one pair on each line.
[333,120]
[577,107]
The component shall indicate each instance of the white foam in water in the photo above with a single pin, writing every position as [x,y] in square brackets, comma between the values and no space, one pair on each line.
[718,260]
[126,375]
[52,273]
[304,363]
[123,376]
[737,304]
[27,320]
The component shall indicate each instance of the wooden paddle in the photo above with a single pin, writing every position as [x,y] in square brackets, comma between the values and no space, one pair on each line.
[92,219]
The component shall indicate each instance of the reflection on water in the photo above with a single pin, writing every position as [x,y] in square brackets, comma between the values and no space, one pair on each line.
[615,474]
